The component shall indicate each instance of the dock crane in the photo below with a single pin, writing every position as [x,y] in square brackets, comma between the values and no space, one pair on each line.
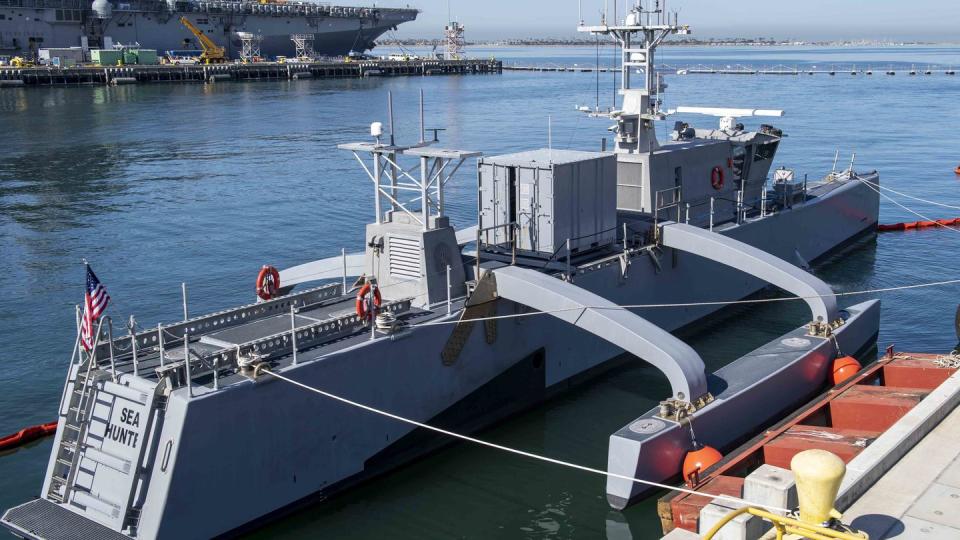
[212,53]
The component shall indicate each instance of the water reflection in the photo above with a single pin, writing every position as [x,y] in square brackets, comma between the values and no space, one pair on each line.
[56,190]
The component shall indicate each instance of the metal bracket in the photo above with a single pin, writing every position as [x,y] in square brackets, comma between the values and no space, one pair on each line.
[679,410]
[821,329]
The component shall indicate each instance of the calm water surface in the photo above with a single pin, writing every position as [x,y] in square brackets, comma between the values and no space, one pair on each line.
[161,184]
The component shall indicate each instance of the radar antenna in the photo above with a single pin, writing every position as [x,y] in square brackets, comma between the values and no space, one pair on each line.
[638,36]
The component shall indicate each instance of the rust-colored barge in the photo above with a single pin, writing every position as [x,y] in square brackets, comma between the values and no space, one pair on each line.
[844,420]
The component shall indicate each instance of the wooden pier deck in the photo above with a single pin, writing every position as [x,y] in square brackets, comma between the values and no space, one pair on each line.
[87,75]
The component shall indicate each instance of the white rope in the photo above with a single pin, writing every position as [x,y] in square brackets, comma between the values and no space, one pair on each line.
[265,370]
[696,304]
[885,188]
[914,212]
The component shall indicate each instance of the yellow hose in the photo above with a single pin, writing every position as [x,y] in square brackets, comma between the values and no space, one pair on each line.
[787,525]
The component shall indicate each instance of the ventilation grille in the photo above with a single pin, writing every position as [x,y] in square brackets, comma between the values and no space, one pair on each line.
[405,257]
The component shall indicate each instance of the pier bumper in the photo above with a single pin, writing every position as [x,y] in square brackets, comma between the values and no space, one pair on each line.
[41,519]
[751,392]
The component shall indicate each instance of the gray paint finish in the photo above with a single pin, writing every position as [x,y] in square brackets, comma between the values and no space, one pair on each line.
[601,317]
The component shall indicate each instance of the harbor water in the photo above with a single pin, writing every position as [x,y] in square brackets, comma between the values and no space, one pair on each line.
[160,184]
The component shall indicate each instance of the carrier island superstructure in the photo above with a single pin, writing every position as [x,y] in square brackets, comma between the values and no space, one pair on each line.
[182,430]
[29,25]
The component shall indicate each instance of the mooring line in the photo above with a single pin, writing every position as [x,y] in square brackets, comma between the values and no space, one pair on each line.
[914,212]
[886,188]
[265,370]
[698,304]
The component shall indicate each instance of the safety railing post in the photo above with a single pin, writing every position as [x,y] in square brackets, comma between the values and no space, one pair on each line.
[343,280]
[186,362]
[739,206]
[476,276]
[113,364]
[711,213]
[216,372]
[763,203]
[568,260]
[133,345]
[183,289]
[160,342]
[293,332]
[373,316]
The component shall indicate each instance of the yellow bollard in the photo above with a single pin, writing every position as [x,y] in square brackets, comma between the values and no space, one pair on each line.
[819,474]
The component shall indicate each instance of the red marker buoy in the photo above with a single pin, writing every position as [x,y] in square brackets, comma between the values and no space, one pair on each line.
[697,460]
[844,368]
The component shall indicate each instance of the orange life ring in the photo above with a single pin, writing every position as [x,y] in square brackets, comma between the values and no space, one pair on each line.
[268,282]
[362,301]
[716,178]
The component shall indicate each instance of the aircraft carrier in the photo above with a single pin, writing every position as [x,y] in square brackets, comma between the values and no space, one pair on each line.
[29,25]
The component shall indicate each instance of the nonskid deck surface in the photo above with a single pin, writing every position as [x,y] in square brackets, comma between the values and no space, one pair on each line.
[211,342]
[41,518]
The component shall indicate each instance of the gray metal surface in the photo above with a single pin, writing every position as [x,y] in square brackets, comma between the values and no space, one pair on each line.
[634,334]
[749,392]
[756,262]
[555,198]
[41,519]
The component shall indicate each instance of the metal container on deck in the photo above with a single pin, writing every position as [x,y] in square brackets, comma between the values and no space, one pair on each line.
[552,196]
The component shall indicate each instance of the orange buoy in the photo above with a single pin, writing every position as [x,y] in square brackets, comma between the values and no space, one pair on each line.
[844,368]
[697,460]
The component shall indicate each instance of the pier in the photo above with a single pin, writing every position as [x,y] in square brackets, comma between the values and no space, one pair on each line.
[87,75]
[741,69]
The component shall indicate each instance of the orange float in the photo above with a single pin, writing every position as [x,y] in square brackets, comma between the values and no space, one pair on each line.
[844,368]
[918,225]
[697,460]
[27,435]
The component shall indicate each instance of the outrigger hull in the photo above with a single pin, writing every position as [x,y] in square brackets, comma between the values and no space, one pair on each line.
[217,460]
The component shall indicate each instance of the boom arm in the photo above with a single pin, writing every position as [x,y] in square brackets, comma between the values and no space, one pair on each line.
[210,49]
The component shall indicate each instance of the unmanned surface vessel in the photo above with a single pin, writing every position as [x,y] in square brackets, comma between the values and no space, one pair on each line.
[180,431]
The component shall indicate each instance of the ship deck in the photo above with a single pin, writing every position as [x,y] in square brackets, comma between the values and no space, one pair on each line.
[206,345]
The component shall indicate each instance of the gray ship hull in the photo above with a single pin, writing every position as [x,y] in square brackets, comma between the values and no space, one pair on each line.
[154,26]
[278,445]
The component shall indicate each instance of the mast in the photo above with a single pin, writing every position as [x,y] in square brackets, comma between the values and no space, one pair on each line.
[639,35]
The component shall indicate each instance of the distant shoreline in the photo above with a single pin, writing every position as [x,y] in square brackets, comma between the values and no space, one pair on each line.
[722,42]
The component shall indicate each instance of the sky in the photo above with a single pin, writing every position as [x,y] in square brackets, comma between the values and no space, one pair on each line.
[921,20]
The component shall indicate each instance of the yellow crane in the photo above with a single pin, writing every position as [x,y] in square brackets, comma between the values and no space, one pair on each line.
[212,53]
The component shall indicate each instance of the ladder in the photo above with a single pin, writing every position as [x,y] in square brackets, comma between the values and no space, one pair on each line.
[75,426]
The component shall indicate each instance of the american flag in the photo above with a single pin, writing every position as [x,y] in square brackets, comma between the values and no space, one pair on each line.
[95,302]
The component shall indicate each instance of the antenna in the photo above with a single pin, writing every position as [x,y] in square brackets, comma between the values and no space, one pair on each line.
[390,114]
[422,128]
[550,136]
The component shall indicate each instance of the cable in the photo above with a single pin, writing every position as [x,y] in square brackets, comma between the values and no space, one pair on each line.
[698,304]
[263,369]
[885,188]
[914,212]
